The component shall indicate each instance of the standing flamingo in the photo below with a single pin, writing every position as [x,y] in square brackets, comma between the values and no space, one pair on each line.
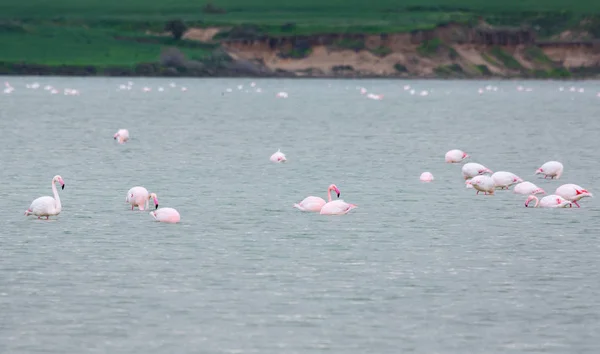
[121,136]
[278,157]
[47,206]
[167,215]
[503,179]
[337,207]
[483,184]
[528,188]
[549,201]
[139,196]
[472,169]
[455,156]
[315,204]
[572,193]
[552,169]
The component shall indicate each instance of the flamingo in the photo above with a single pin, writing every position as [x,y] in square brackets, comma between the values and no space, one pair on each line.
[454,156]
[139,196]
[572,193]
[337,207]
[168,215]
[121,136]
[315,204]
[552,169]
[47,206]
[483,184]
[549,201]
[278,157]
[472,169]
[503,179]
[528,188]
[426,177]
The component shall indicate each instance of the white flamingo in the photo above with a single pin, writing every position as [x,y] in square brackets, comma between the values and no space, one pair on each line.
[47,206]
[139,196]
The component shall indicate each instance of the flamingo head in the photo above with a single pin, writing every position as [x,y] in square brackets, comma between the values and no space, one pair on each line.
[465,155]
[333,187]
[517,179]
[116,136]
[563,203]
[58,179]
[485,170]
[539,170]
[529,199]
[154,198]
[468,183]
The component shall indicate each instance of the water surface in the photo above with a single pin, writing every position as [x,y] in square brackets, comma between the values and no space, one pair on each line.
[423,268]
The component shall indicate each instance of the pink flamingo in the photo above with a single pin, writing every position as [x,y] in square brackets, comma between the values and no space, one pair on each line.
[572,193]
[139,196]
[483,184]
[503,179]
[472,169]
[167,215]
[47,206]
[426,177]
[278,157]
[455,156]
[549,201]
[121,136]
[337,207]
[528,188]
[315,204]
[552,169]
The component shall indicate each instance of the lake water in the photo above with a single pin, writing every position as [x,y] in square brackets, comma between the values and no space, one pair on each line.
[417,267]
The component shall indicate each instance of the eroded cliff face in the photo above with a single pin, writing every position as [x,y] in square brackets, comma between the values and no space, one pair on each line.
[452,50]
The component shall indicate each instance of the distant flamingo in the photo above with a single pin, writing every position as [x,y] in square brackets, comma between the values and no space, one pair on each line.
[167,215]
[528,188]
[572,193]
[552,169]
[549,201]
[278,157]
[122,136]
[455,156]
[139,196]
[503,179]
[482,184]
[47,206]
[337,207]
[472,169]
[426,177]
[282,95]
[315,204]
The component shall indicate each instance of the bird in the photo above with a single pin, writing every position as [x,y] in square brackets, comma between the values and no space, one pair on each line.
[337,207]
[503,179]
[483,184]
[552,169]
[315,204]
[455,156]
[472,169]
[167,215]
[278,157]
[121,136]
[527,188]
[47,206]
[139,196]
[572,193]
[426,177]
[549,201]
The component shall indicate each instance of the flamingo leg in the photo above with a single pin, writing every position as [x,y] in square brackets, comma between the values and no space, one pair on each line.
[132,207]
[47,217]
[577,204]
[477,192]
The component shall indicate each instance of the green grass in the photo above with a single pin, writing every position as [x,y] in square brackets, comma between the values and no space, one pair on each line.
[508,60]
[51,45]
[537,55]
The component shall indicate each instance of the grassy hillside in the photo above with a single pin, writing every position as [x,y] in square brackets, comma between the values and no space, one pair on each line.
[108,32]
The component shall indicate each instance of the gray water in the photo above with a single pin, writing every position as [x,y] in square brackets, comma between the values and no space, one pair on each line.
[424,268]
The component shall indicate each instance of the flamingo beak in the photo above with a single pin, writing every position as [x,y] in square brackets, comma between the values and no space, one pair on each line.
[63,186]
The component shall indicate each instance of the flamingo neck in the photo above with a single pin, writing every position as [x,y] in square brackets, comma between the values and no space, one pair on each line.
[56,197]
[329,194]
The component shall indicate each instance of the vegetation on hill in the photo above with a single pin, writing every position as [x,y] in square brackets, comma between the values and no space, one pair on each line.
[104,33]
